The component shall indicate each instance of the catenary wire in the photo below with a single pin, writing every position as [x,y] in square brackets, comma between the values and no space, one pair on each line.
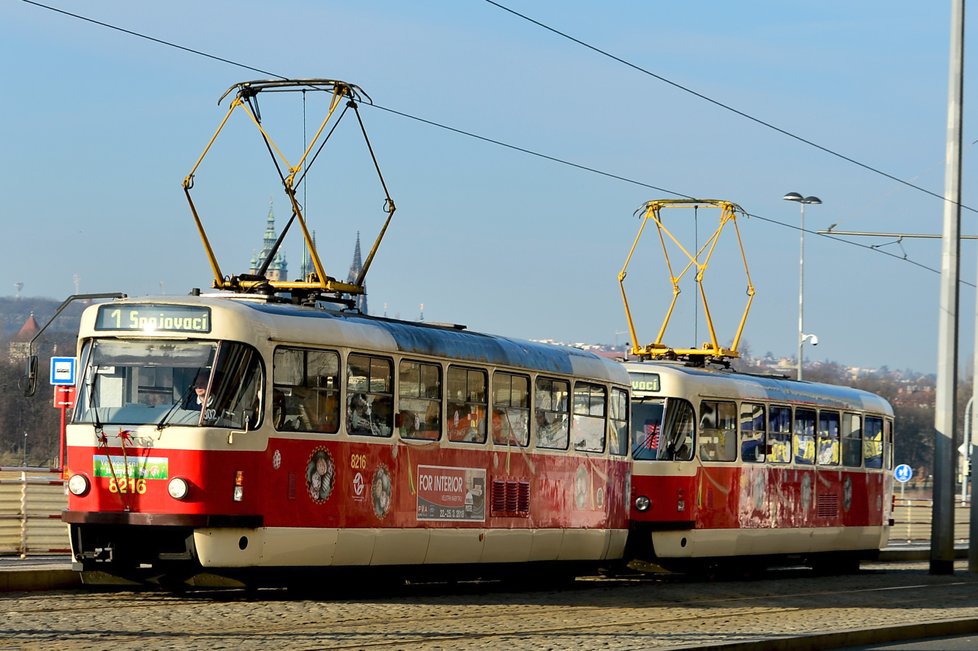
[499,142]
[150,38]
[727,107]
[531,152]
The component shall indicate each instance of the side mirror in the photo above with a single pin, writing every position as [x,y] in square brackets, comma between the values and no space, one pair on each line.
[31,386]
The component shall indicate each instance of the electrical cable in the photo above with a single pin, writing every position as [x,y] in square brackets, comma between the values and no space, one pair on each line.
[150,38]
[539,154]
[531,152]
[727,107]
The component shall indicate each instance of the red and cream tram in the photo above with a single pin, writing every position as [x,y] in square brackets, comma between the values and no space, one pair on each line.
[242,437]
[728,466]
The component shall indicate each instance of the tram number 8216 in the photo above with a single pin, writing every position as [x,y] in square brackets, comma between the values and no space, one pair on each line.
[131,485]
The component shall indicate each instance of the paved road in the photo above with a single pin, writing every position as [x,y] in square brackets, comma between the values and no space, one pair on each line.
[642,613]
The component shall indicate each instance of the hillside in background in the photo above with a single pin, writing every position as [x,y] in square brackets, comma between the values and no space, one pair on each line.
[15,311]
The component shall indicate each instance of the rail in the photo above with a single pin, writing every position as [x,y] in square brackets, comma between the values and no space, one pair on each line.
[31,502]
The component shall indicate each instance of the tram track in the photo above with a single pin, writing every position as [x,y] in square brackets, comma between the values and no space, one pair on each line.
[653,612]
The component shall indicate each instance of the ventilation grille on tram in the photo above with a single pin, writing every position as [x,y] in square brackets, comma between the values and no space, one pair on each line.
[510,498]
[828,506]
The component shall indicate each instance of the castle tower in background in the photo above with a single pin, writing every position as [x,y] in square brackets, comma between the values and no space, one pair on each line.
[360,301]
[279,268]
[20,343]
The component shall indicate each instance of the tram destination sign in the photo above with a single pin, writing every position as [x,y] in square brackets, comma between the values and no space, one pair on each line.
[645,382]
[154,318]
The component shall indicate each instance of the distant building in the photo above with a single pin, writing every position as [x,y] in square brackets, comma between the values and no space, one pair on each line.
[20,343]
[359,301]
[279,268]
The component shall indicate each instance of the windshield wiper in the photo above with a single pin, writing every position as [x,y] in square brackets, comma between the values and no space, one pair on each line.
[92,389]
[169,412]
[184,399]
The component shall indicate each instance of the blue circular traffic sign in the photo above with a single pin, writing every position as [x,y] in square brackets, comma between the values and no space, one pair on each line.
[903,473]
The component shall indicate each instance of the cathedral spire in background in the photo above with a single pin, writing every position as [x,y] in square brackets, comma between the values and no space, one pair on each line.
[279,268]
[360,301]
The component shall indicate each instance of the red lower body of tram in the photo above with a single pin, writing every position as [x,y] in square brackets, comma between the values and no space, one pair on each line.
[693,515]
[301,505]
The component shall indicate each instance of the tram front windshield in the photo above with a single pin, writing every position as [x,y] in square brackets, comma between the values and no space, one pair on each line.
[169,383]
[662,429]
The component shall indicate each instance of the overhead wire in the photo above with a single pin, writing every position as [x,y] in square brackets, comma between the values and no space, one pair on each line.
[524,149]
[150,38]
[869,247]
[726,107]
[531,152]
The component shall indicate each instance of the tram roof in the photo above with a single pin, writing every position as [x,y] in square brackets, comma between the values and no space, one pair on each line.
[456,343]
[297,324]
[708,382]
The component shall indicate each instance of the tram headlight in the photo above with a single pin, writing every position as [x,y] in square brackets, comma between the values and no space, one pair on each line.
[178,488]
[78,485]
[642,503]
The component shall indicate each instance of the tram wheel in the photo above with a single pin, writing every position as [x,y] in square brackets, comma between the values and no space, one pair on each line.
[833,564]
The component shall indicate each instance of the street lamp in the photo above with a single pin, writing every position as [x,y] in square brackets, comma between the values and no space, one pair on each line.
[802,336]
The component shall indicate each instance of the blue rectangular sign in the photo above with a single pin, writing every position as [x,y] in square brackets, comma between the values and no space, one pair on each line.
[62,370]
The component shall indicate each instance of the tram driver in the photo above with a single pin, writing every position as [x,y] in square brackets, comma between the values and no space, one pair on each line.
[195,397]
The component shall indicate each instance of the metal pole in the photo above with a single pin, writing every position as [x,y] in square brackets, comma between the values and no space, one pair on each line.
[968,429]
[62,436]
[970,446]
[945,434]
[801,292]
[972,442]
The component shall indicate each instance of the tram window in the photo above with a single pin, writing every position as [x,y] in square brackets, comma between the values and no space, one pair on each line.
[753,429]
[828,438]
[419,400]
[510,409]
[804,436]
[679,427]
[306,396]
[369,395]
[779,434]
[234,397]
[466,404]
[888,442]
[618,443]
[718,430]
[171,383]
[588,427]
[551,413]
[647,417]
[873,442]
[852,440]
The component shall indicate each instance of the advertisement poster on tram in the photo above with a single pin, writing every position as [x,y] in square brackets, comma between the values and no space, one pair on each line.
[448,493]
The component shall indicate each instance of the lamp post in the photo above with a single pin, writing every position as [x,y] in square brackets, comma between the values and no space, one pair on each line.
[803,201]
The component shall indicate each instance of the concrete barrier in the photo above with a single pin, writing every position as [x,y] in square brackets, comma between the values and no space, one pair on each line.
[31,502]
[912,521]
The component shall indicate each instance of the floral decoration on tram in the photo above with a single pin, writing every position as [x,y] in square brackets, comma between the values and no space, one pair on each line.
[320,475]
[381,489]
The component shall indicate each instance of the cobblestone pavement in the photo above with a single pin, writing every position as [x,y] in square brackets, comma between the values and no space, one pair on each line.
[642,613]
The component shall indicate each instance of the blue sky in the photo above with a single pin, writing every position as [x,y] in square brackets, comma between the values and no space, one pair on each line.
[100,129]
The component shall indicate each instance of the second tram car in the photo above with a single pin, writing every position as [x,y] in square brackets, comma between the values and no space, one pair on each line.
[729,466]
[261,440]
